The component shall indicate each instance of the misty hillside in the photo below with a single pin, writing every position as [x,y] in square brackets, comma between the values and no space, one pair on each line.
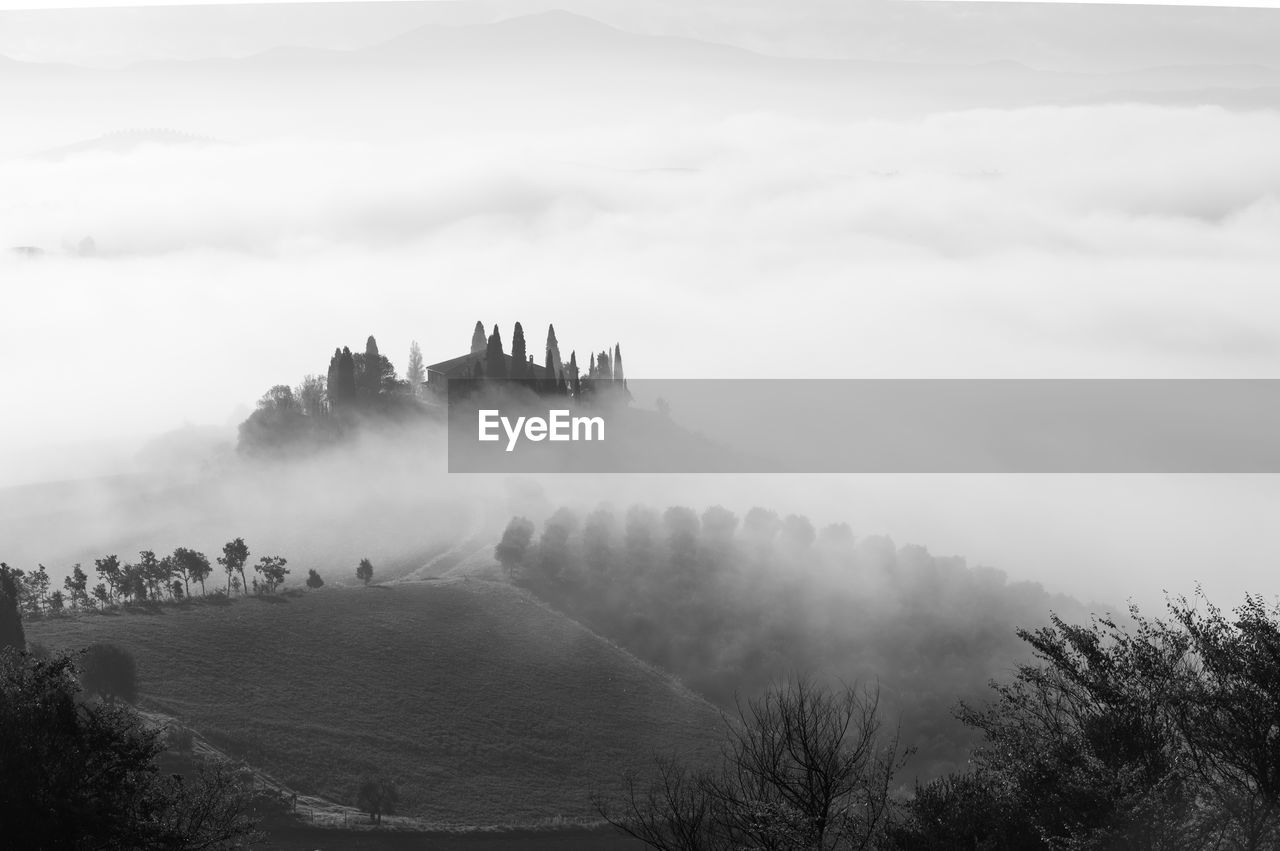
[733,606]
[488,707]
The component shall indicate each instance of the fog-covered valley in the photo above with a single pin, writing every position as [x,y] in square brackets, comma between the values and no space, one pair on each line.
[200,205]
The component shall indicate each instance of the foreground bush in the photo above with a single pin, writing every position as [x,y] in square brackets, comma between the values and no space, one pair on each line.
[81,774]
[1148,735]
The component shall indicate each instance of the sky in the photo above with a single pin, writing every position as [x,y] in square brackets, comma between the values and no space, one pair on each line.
[989,206]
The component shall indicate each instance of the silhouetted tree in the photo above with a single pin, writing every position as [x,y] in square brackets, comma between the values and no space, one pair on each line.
[519,355]
[33,589]
[553,349]
[135,582]
[11,632]
[377,796]
[56,603]
[153,573]
[617,363]
[803,768]
[478,339]
[343,393]
[111,572]
[495,361]
[314,580]
[110,672]
[191,565]
[332,382]
[1153,735]
[273,572]
[575,384]
[548,385]
[83,774]
[364,571]
[234,555]
[77,586]
[371,380]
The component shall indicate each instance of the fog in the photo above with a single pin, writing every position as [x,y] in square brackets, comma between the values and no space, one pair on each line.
[721,214]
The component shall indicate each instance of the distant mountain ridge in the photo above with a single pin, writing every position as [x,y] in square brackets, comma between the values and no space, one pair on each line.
[127,141]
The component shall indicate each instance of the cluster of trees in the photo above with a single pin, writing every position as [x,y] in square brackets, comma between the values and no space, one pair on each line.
[323,408]
[1152,733]
[558,377]
[358,380]
[149,579]
[1147,735]
[732,604]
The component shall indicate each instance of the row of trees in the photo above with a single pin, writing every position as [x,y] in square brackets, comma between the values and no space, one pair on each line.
[729,604]
[1148,735]
[149,579]
[558,377]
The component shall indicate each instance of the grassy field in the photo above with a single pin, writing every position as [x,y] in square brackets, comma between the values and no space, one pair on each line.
[288,835]
[485,706]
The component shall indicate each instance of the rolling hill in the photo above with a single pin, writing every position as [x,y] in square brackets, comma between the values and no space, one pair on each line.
[485,705]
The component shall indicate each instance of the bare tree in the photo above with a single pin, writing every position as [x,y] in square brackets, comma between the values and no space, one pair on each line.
[673,811]
[802,767]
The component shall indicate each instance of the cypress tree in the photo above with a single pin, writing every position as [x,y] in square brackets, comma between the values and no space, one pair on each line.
[591,367]
[346,377]
[603,369]
[574,382]
[495,361]
[617,363]
[372,368]
[478,340]
[553,349]
[331,380]
[518,355]
[548,384]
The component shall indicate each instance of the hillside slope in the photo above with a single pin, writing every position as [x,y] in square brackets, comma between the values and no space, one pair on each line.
[486,707]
